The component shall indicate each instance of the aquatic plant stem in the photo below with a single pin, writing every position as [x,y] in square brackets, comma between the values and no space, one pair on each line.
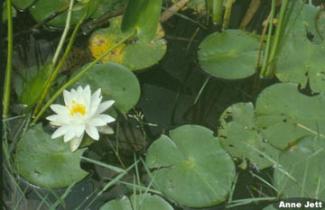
[269,40]
[7,82]
[64,34]
[279,30]
[57,69]
[268,72]
[75,78]
[215,8]
[227,14]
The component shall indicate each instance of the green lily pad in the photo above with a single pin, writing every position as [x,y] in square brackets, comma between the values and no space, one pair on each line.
[143,54]
[271,207]
[22,4]
[42,10]
[300,60]
[138,202]
[137,54]
[301,170]
[33,84]
[46,162]
[116,82]
[231,54]
[190,167]
[291,116]
[142,16]
[242,138]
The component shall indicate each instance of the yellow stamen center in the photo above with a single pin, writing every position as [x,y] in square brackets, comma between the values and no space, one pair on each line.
[77,108]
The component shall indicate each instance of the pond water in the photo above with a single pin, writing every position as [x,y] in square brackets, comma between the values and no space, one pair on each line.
[173,92]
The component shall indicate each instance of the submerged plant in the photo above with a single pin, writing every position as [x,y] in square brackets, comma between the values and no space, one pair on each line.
[82,112]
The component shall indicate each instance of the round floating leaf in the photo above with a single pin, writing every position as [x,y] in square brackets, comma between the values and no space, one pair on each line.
[122,204]
[143,16]
[22,4]
[300,59]
[270,207]
[291,116]
[138,202]
[191,167]
[116,82]
[301,62]
[242,138]
[301,170]
[137,54]
[42,10]
[231,54]
[46,162]
[143,54]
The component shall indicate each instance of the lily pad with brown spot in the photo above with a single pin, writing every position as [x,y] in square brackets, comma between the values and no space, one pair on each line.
[136,54]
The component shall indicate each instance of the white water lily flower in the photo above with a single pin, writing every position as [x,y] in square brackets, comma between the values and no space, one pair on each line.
[81,113]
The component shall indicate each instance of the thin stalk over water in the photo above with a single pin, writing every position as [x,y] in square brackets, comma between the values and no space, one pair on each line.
[65,33]
[6,95]
[269,40]
[57,69]
[269,68]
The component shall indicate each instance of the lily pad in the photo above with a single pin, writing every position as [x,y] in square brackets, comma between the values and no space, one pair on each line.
[190,167]
[271,207]
[46,162]
[116,82]
[33,84]
[301,170]
[22,4]
[231,54]
[136,54]
[142,16]
[138,202]
[300,59]
[42,10]
[242,138]
[291,116]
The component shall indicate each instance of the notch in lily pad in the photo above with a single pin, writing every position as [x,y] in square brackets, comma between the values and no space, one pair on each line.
[190,167]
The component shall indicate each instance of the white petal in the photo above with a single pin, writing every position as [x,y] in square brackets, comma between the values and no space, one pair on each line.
[58,119]
[106,118]
[97,122]
[92,132]
[105,130]
[75,143]
[73,94]
[67,97]
[79,130]
[96,98]
[60,132]
[59,109]
[104,106]
[70,134]
[79,90]
[87,96]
